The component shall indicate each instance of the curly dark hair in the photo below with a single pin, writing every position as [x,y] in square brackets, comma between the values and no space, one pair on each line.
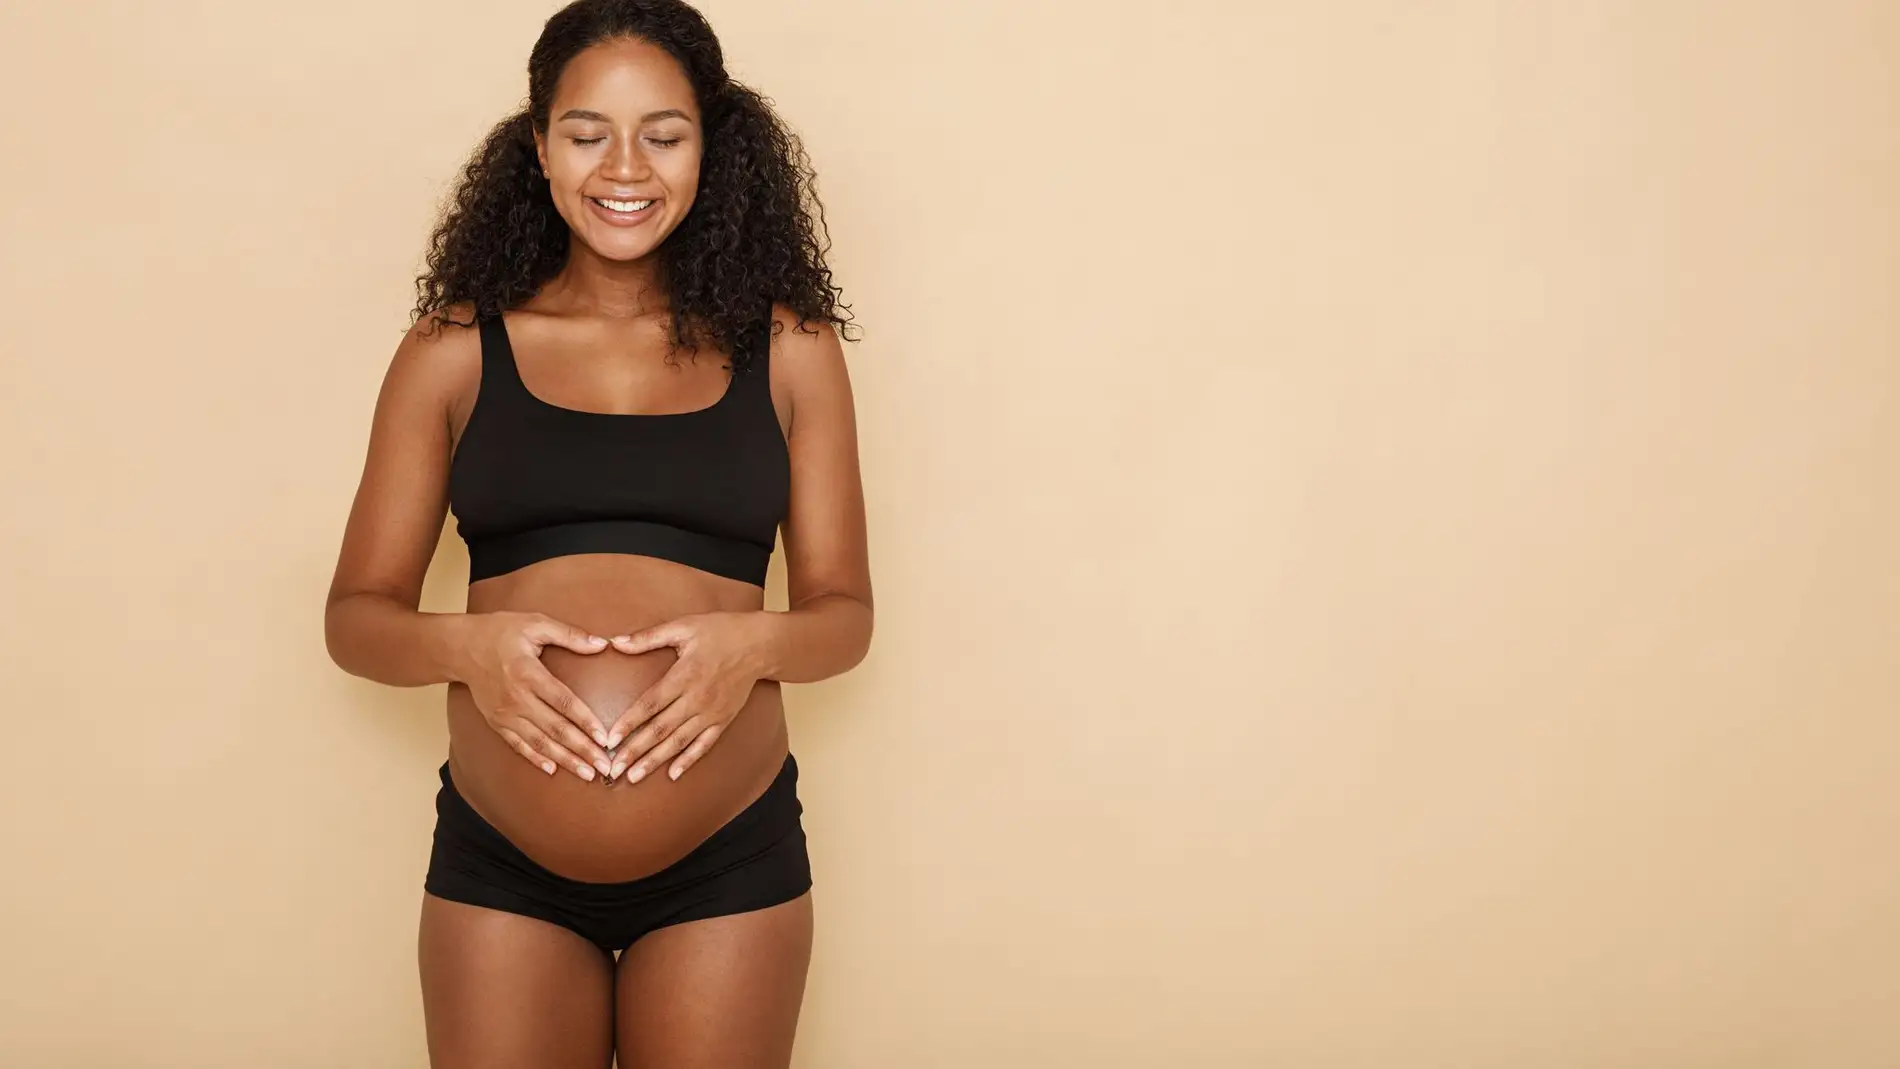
[755,233]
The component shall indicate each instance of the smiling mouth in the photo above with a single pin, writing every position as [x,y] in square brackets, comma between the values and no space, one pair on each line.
[624,207]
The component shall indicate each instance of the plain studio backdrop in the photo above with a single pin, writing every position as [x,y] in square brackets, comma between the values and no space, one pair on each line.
[1383,518]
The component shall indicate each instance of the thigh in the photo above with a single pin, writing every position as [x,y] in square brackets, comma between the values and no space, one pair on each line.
[501,991]
[720,993]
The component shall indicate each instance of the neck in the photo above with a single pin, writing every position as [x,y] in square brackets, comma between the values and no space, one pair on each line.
[610,289]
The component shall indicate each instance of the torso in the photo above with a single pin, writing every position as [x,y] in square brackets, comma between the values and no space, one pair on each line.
[601,832]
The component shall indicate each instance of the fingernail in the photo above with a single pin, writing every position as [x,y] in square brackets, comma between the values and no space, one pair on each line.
[618,769]
[612,741]
[636,775]
[674,773]
[601,739]
[605,768]
[548,767]
[587,774]
[622,638]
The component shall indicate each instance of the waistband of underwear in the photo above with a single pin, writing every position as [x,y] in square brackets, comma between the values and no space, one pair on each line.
[771,817]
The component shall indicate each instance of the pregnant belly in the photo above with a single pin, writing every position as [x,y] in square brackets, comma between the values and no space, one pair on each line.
[604,832]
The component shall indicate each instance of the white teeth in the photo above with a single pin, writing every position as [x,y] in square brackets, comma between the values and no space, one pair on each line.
[624,205]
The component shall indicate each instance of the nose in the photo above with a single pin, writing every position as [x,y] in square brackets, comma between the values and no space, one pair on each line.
[624,161]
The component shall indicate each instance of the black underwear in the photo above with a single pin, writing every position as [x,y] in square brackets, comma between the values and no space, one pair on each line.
[755,860]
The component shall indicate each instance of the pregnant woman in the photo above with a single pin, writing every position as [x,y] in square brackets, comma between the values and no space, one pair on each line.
[619,866]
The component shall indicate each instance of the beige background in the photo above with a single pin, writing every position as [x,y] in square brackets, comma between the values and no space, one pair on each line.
[1384,527]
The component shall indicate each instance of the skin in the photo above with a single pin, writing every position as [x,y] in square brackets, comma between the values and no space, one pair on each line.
[608,712]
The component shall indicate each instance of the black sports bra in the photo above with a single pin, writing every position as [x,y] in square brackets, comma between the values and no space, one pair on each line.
[531,480]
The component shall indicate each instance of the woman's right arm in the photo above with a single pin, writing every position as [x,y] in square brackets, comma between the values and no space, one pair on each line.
[371,623]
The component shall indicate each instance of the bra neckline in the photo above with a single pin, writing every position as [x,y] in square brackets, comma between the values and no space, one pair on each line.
[514,370]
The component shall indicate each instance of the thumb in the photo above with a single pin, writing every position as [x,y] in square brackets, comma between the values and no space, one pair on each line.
[546,632]
[671,633]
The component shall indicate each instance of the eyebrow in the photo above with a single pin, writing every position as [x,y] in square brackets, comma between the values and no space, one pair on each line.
[651,116]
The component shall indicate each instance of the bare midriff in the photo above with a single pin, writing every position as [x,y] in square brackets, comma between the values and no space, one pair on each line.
[610,832]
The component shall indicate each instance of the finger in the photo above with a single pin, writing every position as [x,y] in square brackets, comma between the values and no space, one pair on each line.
[663,751]
[670,633]
[521,747]
[664,691]
[562,699]
[694,752]
[547,631]
[547,747]
[640,742]
[571,738]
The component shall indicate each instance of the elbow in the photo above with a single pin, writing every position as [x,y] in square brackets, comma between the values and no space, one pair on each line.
[336,633]
[867,624]
[332,639]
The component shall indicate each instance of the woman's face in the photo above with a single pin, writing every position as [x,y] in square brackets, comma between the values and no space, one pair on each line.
[623,147]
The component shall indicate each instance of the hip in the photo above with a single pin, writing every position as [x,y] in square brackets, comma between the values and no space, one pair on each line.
[754,861]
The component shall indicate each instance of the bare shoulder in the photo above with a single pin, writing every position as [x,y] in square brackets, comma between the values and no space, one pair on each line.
[436,369]
[804,343]
[442,349]
[808,364]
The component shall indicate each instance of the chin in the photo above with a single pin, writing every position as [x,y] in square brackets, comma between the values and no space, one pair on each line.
[622,251]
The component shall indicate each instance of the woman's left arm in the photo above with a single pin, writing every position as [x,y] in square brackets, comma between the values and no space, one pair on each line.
[827,628]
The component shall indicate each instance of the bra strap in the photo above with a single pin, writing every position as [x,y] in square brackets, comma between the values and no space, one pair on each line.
[500,373]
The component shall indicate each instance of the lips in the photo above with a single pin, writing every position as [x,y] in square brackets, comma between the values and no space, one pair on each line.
[616,217]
